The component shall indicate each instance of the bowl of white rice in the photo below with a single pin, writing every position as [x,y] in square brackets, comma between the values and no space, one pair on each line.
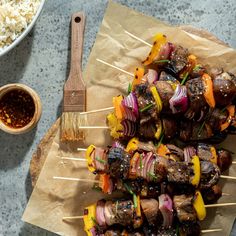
[17,18]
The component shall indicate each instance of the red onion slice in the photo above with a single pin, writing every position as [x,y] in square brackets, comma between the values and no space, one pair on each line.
[179,101]
[151,169]
[109,215]
[152,76]
[100,217]
[166,208]
[147,159]
[130,128]
[118,144]
[189,152]
[165,51]
[130,106]
[100,159]
[93,231]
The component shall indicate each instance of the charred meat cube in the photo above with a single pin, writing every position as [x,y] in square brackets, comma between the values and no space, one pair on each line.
[211,195]
[175,152]
[169,127]
[165,92]
[204,151]
[216,118]
[179,58]
[119,212]
[195,90]
[150,208]
[210,174]
[119,162]
[224,89]
[183,205]
[190,229]
[179,172]
[224,159]
[148,129]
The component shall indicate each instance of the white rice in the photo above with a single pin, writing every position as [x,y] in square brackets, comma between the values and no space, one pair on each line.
[15,16]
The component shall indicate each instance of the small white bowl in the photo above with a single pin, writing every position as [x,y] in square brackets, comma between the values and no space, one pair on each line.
[25,32]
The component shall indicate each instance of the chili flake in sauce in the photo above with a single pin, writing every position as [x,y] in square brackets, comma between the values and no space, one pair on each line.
[16,108]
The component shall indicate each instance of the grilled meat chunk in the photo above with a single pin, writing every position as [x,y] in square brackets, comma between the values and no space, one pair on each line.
[224,159]
[190,229]
[150,208]
[224,89]
[183,205]
[179,172]
[211,195]
[119,162]
[147,129]
[216,118]
[179,58]
[195,90]
[175,152]
[210,174]
[119,212]
[204,151]
[166,92]
[170,127]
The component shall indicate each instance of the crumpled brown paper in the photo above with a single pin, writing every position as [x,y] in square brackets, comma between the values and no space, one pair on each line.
[52,199]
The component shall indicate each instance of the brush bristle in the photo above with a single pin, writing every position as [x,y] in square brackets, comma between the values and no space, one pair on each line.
[70,123]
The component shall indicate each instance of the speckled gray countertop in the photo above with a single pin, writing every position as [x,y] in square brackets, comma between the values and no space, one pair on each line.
[41,61]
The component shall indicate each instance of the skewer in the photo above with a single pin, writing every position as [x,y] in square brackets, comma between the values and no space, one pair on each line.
[233,162]
[95,111]
[210,230]
[115,67]
[94,127]
[81,217]
[137,38]
[227,177]
[98,181]
[77,179]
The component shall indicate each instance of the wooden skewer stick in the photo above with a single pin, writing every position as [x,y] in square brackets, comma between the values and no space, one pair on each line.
[233,162]
[94,127]
[115,67]
[210,230]
[98,110]
[137,38]
[74,158]
[221,204]
[227,177]
[77,179]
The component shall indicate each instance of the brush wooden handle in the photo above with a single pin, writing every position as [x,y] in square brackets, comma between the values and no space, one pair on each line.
[74,88]
[77,38]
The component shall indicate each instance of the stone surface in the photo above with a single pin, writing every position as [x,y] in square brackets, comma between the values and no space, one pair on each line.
[41,61]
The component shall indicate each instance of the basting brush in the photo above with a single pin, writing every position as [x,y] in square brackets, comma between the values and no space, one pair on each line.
[74,97]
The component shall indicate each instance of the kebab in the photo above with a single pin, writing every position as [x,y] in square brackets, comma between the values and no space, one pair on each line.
[168,96]
[188,210]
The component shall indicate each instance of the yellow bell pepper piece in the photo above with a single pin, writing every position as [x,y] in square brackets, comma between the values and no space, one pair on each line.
[116,128]
[159,130]
[159,41]
[231,110]
[214,155]
[196,170]
[208,93]
[138,209]
[118,107]
[89,218]
[89,158]
[163,150]
[132,145]
[138,75]
[199,206]
[156,97]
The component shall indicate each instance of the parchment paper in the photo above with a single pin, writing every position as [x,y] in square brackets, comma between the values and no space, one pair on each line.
[52,199]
